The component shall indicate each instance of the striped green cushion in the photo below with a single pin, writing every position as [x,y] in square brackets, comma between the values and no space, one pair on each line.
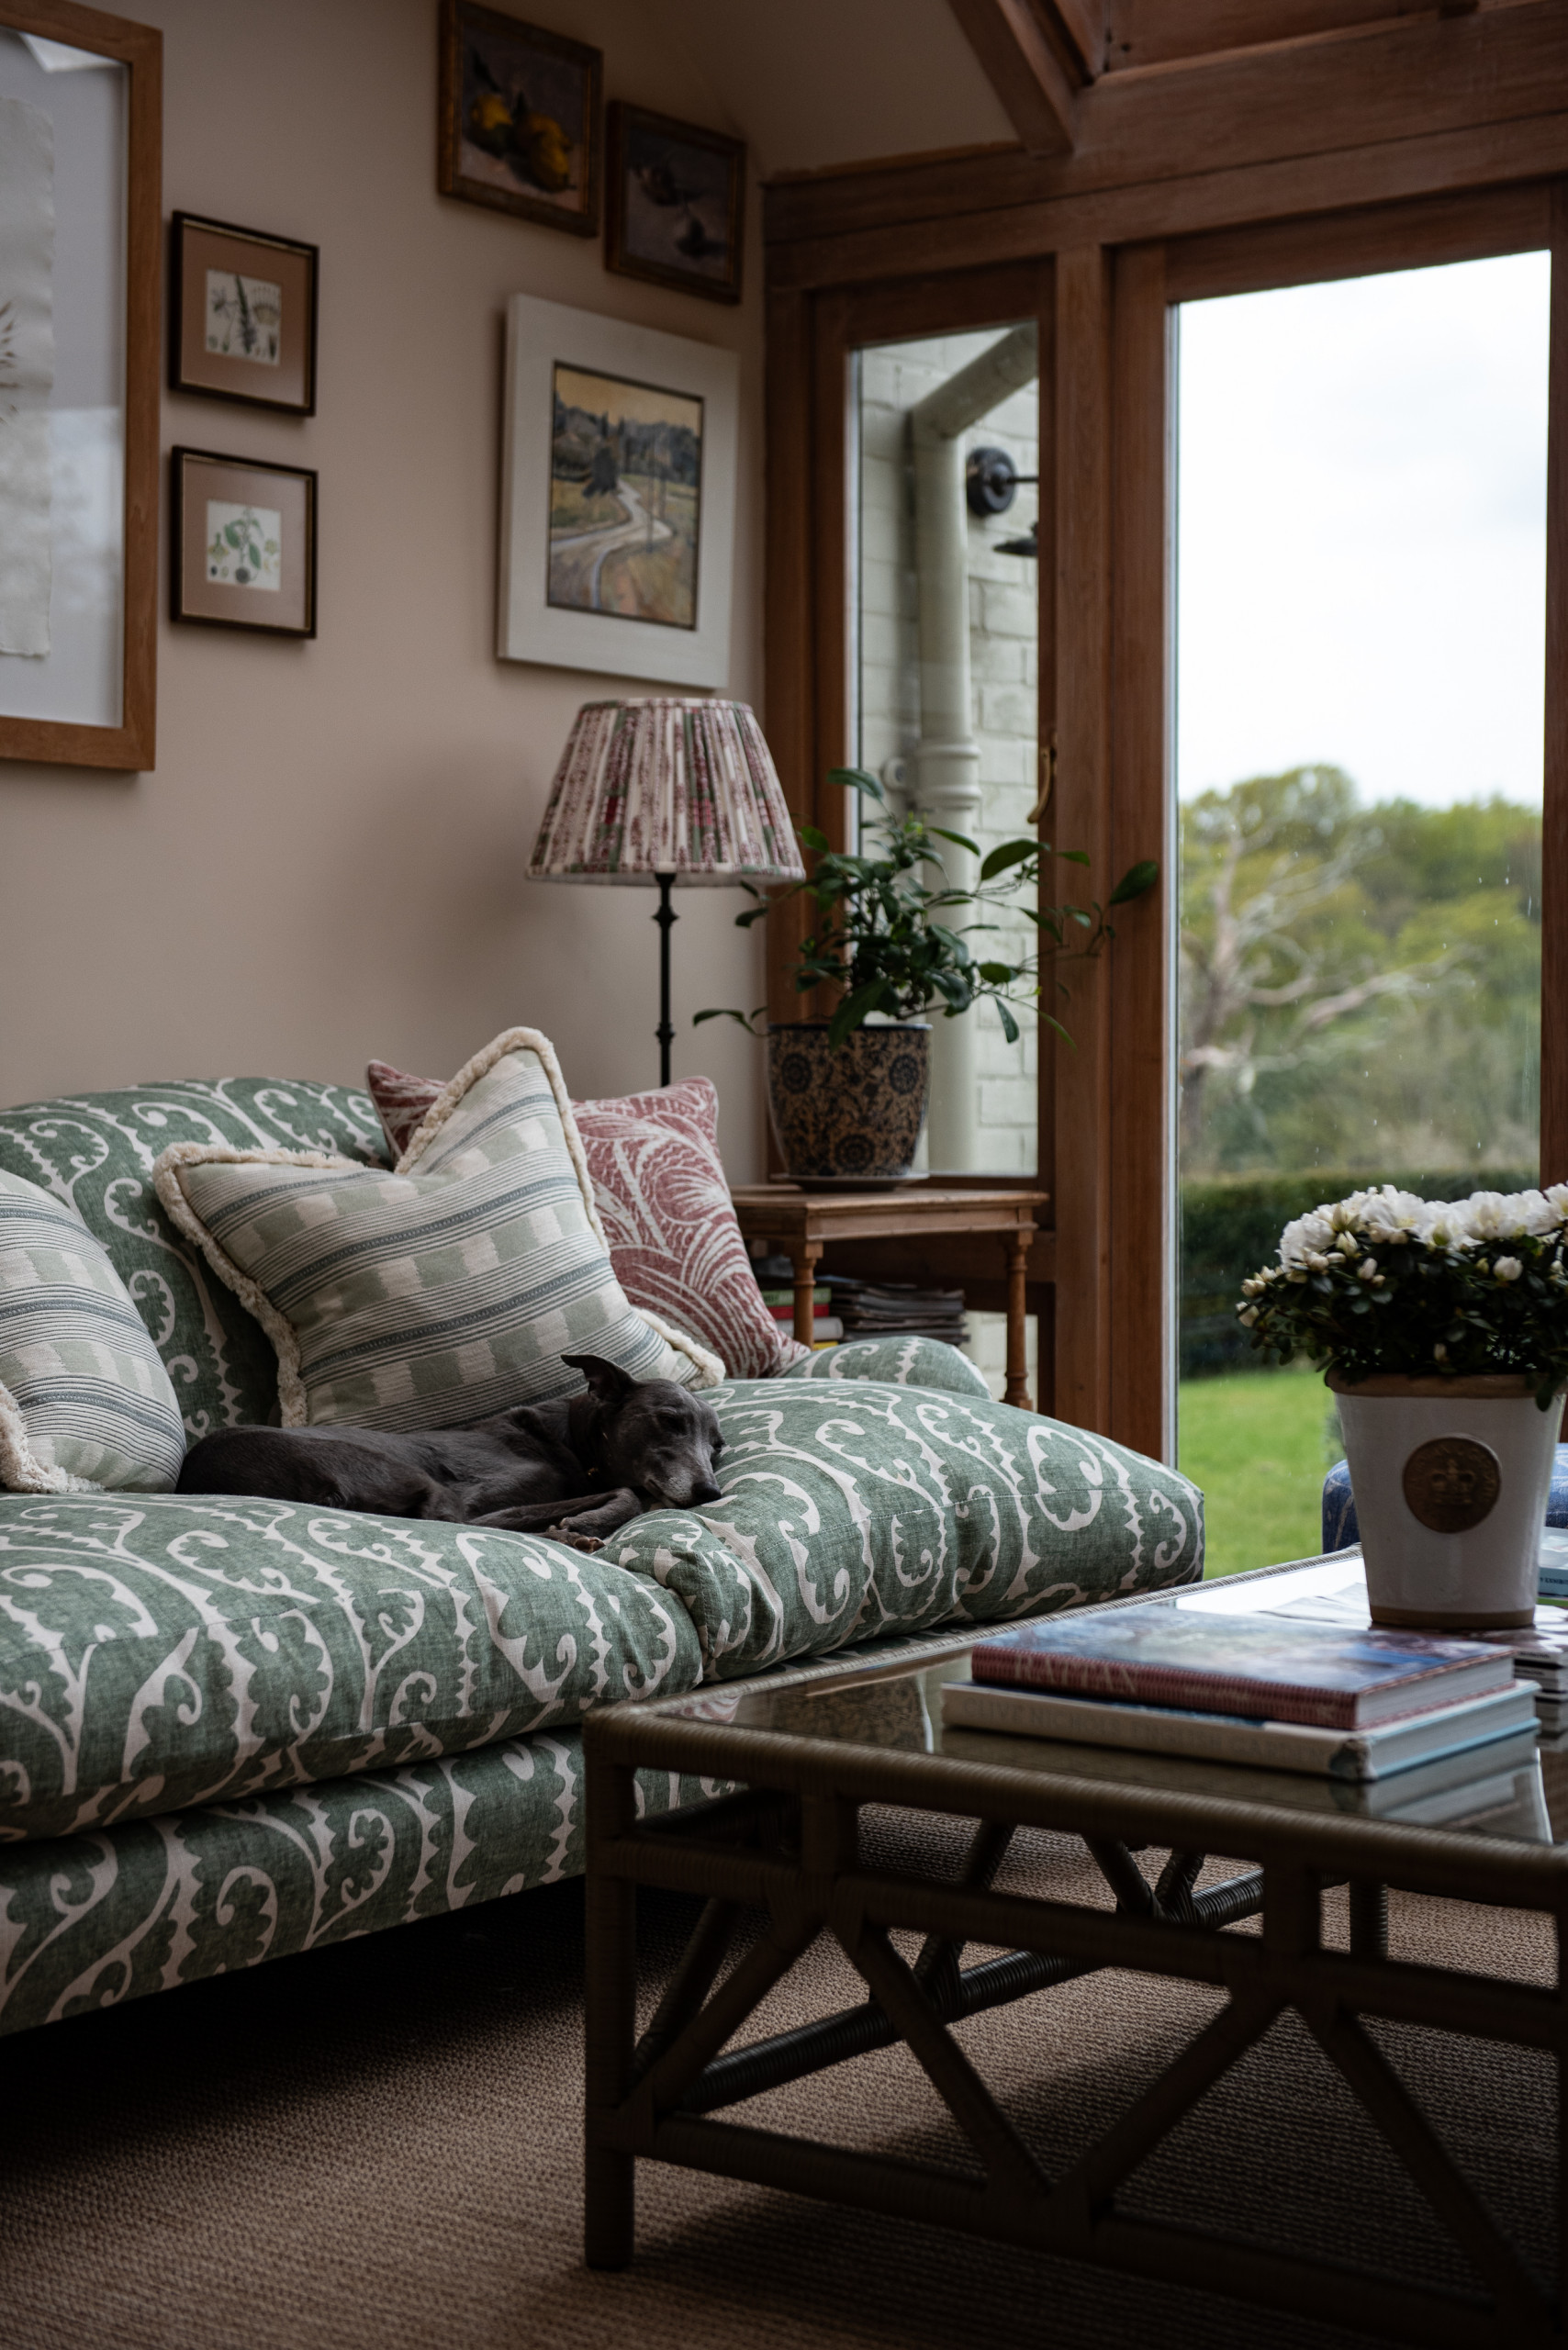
[443,1291]
[85,1402]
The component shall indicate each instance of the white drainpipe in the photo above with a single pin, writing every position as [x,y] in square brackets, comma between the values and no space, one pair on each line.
[946,763]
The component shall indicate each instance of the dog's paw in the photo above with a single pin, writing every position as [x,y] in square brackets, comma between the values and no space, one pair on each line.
[589,1542]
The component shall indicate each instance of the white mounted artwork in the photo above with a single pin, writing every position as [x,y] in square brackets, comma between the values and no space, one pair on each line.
[618,498]
[26,375]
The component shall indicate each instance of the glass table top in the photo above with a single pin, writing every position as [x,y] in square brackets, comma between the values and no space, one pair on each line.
[1516,1787]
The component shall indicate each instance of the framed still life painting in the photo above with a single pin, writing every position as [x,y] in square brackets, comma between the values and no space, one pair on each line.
[244,543]
[675,204]
[618,498]
[520,114]
[241,315]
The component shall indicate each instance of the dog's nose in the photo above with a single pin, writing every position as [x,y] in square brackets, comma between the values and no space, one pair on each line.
[709,1492]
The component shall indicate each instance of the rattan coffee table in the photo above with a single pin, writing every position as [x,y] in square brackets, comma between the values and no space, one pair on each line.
[811,1749]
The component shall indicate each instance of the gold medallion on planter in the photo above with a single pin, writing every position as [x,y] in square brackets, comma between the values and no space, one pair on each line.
[1451,1482]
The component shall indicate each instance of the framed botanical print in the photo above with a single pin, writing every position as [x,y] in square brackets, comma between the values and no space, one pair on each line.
[675,204]
[520,114]
[244,543]
[80,126]
[618,497]
[241,315]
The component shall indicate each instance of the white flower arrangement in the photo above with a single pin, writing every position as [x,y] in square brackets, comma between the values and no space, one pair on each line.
[1384,1281]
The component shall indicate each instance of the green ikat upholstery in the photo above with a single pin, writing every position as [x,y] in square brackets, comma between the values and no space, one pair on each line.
[165,1650]
[87,1921]
[234,1728]
[97,1151]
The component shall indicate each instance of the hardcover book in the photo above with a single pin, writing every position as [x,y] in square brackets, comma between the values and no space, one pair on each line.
[1258,1665]
[1355,1754]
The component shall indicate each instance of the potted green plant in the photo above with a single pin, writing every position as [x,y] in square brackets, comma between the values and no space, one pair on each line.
[893,937]
[1443,1327]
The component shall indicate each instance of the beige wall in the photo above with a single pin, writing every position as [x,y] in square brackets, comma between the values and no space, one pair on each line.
[327,861]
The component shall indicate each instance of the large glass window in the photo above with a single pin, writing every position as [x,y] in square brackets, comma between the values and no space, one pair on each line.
[946,615]
[1361,630]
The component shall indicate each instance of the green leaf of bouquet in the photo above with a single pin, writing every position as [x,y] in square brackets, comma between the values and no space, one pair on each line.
[1009,1025]
[813,839]
[959,840]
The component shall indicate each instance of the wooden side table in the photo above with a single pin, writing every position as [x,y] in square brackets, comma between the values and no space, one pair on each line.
[801,1223]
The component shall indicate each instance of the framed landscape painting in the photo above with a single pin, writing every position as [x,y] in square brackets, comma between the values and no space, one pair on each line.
[618,498]
[520,114]
[675,204]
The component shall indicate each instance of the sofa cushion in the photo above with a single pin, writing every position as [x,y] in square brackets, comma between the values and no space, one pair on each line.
[901,1362]
[449,1289]
[84,1400]
[194,1648]
[95,1151]
[658,1181]
[173,1650]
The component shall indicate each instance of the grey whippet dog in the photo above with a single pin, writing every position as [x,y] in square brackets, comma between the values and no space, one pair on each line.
[573,1470]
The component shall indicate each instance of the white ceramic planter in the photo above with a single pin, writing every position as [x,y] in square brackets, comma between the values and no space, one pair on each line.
[1450,1478]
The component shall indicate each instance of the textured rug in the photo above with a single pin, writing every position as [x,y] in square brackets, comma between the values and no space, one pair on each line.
[376,2146]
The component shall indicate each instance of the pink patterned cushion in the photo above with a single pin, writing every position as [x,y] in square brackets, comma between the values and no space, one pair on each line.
[659,1184]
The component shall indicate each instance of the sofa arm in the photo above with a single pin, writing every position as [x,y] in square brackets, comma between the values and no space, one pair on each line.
[899,1362]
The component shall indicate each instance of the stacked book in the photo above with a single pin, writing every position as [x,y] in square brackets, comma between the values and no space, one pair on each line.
[1361,1706]
[1540,1659]
[897,1309]
[827,1328]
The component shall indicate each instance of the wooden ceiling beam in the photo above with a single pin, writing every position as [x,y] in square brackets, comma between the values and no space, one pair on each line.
[1387,85]
[1029,58]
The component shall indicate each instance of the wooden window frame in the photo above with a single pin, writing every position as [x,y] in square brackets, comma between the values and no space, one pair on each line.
[1110,241]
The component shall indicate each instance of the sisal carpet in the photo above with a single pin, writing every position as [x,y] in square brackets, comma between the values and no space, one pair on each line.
[376,2147]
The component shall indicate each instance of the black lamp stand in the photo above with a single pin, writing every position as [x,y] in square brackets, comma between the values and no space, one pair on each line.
[667,919]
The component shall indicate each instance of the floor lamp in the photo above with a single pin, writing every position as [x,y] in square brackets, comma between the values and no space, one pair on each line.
[665,791]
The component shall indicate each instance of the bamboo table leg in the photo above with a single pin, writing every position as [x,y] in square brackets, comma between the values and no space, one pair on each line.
[804,1255]
[1016,1246]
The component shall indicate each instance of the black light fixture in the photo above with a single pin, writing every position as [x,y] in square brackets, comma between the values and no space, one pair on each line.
[992,482]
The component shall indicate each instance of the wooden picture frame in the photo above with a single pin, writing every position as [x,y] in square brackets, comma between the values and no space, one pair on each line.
[242,310]
[232,552]
[618,498]
[83,690]
[675,204]
[519,119]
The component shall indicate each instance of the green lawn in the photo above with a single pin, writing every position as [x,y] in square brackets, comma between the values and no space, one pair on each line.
[1256,1442]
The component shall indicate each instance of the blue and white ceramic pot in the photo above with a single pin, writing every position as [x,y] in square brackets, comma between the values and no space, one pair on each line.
[848,1114]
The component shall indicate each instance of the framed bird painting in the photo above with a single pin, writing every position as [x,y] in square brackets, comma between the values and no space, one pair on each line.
[676,209]
[520,114]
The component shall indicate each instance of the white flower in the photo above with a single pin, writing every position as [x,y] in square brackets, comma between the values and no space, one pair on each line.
[1536,1211]
[1247,1315]
[1368,1268]
[1440,1352]
[1507,1268]
[1309,1233]
[1557,1200]
[1314,1263]
[1494,1216]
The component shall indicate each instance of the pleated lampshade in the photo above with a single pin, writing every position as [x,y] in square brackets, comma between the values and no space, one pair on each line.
[665,786]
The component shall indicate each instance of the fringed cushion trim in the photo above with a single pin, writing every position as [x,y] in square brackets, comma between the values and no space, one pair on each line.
[252,1296]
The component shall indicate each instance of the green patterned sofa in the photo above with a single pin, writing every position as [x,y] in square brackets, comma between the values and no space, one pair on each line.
[234,1728]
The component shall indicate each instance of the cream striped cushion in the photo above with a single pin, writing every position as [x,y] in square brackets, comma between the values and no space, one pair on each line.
[85,1402]
[447,1290]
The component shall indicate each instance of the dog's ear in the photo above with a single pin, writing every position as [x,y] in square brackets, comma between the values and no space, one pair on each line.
[607,1383]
